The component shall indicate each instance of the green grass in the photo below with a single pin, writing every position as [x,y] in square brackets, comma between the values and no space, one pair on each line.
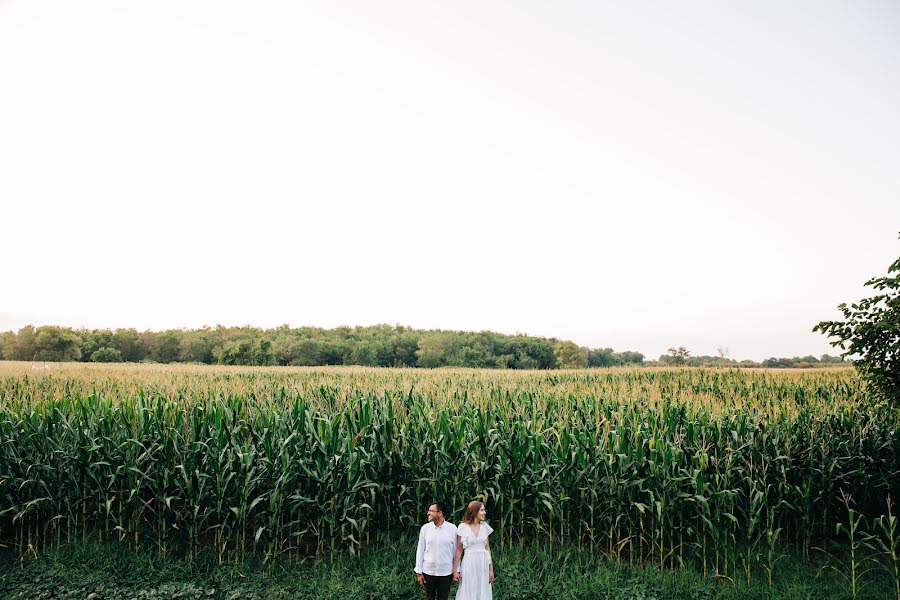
[112,572]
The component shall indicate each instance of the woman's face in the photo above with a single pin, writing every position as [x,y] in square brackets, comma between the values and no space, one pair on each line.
[482,514]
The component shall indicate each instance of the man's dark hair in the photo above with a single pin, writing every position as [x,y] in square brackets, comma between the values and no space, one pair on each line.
[439,506]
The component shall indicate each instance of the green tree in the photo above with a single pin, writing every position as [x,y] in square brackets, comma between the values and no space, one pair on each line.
[363,354]
[602,357]
[434,349]
[306,352]
[128,343]
[106,354]
[286,348]
[676,356]
[629,358]
[246,352]
[7,345]
[570,355]
[870,333]
[92,340]
[827,359]
[166,346]
[262,353]
[23,347]
[196,346]
[56,344]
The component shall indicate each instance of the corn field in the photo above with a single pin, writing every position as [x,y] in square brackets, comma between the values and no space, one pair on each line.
[720,469]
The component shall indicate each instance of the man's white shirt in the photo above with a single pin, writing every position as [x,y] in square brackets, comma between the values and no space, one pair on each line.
[437,545]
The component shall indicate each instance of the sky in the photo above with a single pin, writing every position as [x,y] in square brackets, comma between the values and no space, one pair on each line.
[634,175]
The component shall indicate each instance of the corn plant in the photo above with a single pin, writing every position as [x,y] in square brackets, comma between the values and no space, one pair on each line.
[720,469]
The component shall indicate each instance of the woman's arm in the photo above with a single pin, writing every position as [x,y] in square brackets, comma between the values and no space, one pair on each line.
[459,550]
[487,546]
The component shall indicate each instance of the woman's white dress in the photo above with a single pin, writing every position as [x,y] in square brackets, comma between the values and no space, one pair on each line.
[475,567]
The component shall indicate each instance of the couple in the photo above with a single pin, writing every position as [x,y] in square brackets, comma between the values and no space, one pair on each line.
[441,544]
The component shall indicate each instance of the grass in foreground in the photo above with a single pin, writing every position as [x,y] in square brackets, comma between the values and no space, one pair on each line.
[112,572]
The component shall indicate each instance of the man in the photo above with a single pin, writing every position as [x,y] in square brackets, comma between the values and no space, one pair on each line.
[434,556]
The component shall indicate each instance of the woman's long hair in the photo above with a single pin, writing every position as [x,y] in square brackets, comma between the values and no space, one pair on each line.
[472,511]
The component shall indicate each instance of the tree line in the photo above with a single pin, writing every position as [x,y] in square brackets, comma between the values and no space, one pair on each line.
[376,346]
[681,356]
[379,346]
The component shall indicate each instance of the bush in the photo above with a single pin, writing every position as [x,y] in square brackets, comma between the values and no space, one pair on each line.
[106,354]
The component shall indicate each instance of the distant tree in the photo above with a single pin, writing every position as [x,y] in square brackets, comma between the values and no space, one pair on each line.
[570,356]
[106,354]
[128,343]
[526,361]
[629,358]
[286,348]
[235,353]
[56,344]
[434,349]
[306,353]
[196,346]
[602,357]
[675,356]
[776,363]
[262,353]
[246,352]
[403,347]
[707,361]
[870,332]
[166,346]
[827,359]
[379,345]
[23,347]
[364,353]
[504,361]
[334,351]
[7,345]
[529,352]
[476,357]
[92,340]
[605,357]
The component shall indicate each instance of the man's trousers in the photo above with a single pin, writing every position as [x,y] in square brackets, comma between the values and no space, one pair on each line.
[437,587]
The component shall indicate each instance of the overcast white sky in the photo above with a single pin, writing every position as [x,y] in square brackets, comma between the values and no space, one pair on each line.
[627,174]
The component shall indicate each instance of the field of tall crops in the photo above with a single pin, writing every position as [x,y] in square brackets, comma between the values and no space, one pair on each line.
[722,470]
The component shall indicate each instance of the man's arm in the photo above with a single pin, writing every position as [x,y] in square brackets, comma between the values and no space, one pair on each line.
[420,553]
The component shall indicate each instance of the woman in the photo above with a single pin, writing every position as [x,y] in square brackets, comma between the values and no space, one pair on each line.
[476,574]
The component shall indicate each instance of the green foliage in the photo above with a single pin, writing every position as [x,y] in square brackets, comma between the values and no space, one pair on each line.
[801,362]
[56,344]
[376,346]
[364,353]
[246,353]
[20,346]
[606,357]
[197,347]
[381,346]
[679,468]
[128,342]
[165,347]
[570,356]
[7,345]
[74,572]
[106,354]
[888,541]
[871,334]
[676,356]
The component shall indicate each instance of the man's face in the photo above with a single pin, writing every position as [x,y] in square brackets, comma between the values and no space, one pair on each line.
[433,513]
